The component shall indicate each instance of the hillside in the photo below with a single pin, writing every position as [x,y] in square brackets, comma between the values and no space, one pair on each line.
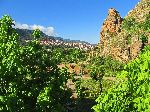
[41,73]
[26,34]
[123,38]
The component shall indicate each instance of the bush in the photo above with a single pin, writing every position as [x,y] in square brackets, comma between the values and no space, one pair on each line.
[132,94]
[104,66]
[29,77]
[132,27]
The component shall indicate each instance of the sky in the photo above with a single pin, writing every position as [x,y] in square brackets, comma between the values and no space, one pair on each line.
[69,19]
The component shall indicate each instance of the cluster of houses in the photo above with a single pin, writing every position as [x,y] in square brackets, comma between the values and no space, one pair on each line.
[80,45]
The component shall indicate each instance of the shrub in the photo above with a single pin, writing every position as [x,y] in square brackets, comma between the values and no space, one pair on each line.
[104,66]
[132,94]
[29,77]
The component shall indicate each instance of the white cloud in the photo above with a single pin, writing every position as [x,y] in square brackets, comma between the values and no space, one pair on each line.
[47,30]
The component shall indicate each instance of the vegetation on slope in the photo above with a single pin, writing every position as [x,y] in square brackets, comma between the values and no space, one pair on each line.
[30,79]
[132,94]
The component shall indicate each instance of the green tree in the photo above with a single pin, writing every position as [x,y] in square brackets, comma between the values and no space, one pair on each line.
[29,77]
[74,55]
[36,34]
[141,29]
[132,93]
[104,66]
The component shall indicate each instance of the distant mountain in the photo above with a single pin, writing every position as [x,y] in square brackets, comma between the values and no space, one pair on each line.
[26,34]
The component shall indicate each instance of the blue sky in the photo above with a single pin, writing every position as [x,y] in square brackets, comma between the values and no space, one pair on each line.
[73,19]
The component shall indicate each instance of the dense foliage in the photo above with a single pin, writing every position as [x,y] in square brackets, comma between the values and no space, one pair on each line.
[141,29]
[89,88]
[29,77]
[132,94]
[68,55]
[104,66]
[31,81]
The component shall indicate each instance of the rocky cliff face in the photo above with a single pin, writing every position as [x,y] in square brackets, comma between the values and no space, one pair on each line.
[120,43]
[112,22]
[140,10]
[110,28]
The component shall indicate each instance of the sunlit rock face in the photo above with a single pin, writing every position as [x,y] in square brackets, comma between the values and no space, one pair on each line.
[112,22]
[110,28]
[114,41]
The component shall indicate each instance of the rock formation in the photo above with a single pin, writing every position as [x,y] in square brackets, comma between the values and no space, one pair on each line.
[140,10]
[114,40]
[111,27]
[113,22]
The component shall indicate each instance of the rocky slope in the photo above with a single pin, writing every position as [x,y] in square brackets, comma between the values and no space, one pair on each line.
[123,38]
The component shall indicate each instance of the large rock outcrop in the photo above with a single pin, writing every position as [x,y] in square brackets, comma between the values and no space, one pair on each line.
[111,27]
[118,43]
[112,22]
